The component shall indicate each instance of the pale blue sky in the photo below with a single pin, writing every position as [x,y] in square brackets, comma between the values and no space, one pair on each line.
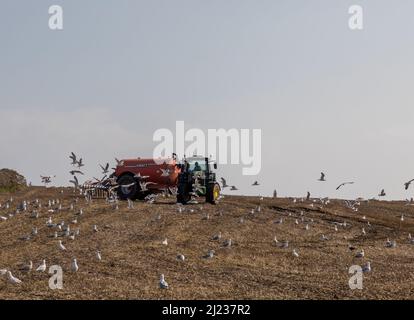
[326,98]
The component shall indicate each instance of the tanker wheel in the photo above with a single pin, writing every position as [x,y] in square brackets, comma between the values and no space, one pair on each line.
[212,193]
[130,191]
[183,194]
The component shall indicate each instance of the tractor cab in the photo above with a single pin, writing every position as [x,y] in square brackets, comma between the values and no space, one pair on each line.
[197,179]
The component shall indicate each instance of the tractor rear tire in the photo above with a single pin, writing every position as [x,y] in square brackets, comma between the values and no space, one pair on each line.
[131,192]
[212,193]
[183,195]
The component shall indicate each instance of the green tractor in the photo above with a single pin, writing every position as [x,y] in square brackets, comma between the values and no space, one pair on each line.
[197,179]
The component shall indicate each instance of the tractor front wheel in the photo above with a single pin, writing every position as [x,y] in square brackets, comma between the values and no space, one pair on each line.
[212,193]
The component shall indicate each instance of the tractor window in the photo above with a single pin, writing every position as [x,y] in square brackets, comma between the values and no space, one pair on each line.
[197,166]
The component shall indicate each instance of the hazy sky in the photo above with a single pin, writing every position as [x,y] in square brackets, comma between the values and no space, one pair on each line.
[327,98]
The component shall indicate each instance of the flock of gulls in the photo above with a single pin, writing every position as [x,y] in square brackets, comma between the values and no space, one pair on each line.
[63,234]
[58,232]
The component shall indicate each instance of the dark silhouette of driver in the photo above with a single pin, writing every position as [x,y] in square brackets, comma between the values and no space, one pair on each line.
[197,167]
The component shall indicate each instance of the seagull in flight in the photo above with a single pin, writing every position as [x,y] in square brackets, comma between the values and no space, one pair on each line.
[75,182]
[80,163]
[47,179]
[407,184]
[256,183]
[322,178]
[343,184]
[382,193]
[73,158]
[224,183]
[105,169]
[73,172]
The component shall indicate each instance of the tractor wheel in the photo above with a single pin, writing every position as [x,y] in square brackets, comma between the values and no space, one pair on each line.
[183,195]
[129,192]
[212,193]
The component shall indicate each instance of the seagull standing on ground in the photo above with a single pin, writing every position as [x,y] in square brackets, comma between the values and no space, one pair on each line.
[367,267]
[216,236]
[13,279]
[209,255]
[360,254]
[74,266]
[61,246]
[163,283]
[130,204]
[227,243]
[42,267]
[27,267]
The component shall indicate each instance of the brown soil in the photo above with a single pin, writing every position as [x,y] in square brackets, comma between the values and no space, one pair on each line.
[133,256]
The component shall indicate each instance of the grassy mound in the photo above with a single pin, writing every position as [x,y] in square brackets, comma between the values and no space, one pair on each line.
[11,181]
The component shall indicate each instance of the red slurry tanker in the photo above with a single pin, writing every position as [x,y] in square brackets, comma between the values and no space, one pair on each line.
[138,178]
[159,176]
